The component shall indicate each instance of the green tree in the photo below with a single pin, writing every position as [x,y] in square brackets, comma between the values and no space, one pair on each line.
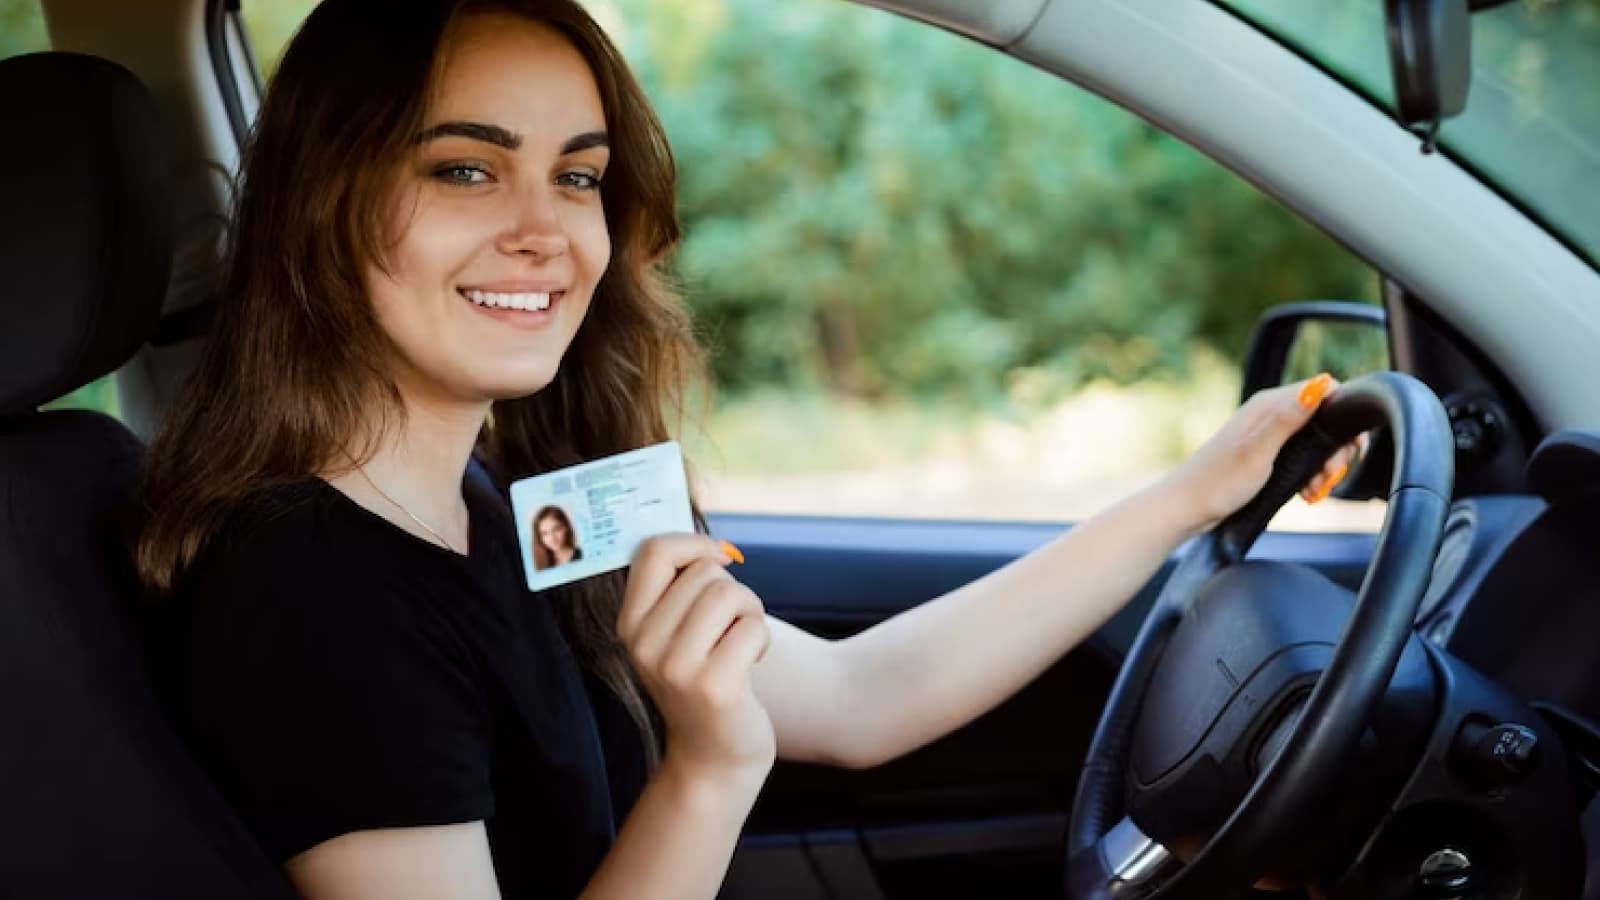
[884,209]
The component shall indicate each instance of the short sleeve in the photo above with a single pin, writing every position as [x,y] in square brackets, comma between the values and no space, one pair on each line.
[327,706]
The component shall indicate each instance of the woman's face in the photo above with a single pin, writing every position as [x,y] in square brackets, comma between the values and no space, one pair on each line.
[497,234]
[553,534]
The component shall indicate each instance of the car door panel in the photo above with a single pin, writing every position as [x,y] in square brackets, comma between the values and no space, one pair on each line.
[982,811]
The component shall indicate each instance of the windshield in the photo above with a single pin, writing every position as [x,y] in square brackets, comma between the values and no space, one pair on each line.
[1532,124]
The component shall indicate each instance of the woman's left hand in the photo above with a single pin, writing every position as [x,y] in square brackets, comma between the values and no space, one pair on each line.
[1233,466]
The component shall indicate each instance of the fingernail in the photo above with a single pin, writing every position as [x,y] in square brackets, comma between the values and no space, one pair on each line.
[733,552]
[1330,484]
[1339,475]
[1315,390]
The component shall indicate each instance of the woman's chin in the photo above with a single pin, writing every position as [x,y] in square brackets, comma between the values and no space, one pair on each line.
[515,387]
[512,380]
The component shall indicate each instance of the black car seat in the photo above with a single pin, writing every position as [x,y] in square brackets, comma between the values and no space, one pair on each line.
[98,795]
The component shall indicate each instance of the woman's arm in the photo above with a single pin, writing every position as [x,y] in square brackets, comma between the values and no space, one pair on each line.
[928,671]
[399,864]
[924,673]
[678,840]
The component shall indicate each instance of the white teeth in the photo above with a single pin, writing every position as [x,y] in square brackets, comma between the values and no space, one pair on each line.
[529,301]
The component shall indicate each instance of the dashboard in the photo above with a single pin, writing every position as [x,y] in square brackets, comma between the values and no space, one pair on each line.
[1515,591]
[1476,535]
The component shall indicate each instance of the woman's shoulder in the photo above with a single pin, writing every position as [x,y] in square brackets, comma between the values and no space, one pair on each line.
[297,573]
[280,530]
[300,546]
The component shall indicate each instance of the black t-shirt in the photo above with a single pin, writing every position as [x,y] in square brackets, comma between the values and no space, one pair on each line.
[344,675]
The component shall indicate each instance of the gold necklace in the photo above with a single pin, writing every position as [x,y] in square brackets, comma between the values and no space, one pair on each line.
[400,506]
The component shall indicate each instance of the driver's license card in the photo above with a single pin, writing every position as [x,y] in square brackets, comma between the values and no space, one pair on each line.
[591,518]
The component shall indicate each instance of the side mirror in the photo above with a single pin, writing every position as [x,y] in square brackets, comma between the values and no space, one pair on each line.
[1298,340]
[1430,57]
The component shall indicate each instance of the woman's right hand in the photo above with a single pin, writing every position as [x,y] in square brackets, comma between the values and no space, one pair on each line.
[694,633]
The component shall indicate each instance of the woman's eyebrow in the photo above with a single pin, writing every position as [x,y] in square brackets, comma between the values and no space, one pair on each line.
[478,131]
[586,141]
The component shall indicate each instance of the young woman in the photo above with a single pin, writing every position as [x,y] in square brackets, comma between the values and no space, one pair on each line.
[555,541]
[447,239]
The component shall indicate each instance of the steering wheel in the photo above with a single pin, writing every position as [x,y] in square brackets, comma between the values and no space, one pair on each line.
[1213,734]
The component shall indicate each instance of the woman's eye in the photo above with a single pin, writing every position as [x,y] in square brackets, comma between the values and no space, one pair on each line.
[461,174]
[583,181]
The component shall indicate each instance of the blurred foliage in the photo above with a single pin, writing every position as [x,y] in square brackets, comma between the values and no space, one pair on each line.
[882,210]
[98,395]
[270,24]
[21,28]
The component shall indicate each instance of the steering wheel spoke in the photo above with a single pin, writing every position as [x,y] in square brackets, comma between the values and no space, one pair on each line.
[1124,864]
[1132,858]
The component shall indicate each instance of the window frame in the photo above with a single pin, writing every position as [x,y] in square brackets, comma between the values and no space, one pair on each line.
[233,64]
[1444,148]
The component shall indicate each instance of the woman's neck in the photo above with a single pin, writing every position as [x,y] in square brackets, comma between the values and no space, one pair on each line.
[416,469]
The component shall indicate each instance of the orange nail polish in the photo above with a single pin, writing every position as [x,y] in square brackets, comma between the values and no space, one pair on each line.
[1339,475]
[1311,395]
[733,552]
[1330,484]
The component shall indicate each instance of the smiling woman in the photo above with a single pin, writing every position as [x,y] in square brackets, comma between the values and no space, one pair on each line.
[401,262]
[497,181]
[444,273]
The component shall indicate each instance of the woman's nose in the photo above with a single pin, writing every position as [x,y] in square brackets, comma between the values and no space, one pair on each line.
[536,228]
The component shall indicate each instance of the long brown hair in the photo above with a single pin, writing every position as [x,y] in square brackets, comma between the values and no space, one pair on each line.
[295,367]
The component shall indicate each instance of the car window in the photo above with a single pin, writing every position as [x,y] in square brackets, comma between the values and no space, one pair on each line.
[1532,123]
[934,281]
[21,28]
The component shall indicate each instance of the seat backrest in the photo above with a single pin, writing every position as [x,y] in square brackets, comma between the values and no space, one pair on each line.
[98,795]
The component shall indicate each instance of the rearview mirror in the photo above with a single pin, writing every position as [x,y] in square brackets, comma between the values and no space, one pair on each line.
[1430,57]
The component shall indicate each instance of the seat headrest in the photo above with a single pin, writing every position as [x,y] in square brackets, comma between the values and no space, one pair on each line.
[86,223]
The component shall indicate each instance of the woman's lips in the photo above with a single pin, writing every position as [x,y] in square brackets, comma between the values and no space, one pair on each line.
[524,299]
[524,308]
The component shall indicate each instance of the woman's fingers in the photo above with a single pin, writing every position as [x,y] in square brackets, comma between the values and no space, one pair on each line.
[739,650]
[1337,468]
[1287,409]
[1282,411]
[693,633]
[1323,483]
[718,608]
[657,564]
[655,631]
